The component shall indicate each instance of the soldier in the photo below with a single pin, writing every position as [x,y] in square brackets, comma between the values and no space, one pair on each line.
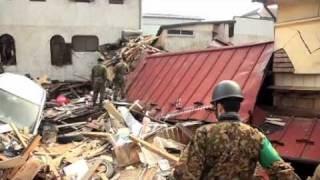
[229,149]
[120,70]
[99,78]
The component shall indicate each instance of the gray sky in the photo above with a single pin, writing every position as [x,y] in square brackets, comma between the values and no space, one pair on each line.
[208,9]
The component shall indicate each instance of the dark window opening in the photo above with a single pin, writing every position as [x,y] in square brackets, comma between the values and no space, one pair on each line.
[180,32]
[173,31]
[83,0]
[231,30]
[37,0]
[116,1]
[184,32]
[7,50]
[85,43]
[60,51]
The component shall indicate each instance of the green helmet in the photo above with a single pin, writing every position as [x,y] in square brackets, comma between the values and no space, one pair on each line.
[226,89]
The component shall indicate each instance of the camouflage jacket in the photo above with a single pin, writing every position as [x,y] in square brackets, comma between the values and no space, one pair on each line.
[99,72]
[228,150]
[120,70]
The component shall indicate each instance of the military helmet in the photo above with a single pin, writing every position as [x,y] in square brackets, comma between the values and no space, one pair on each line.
[226,89]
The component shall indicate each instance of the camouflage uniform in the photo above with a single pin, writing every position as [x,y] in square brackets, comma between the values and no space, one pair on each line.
[99,78]
[227,150]
[120,70]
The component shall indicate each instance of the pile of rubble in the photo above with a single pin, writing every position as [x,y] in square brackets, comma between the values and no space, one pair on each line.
[131,50]
[120,141]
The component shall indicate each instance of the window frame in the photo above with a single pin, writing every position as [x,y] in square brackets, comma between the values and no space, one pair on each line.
[63,57]
[13,57]
[85,47]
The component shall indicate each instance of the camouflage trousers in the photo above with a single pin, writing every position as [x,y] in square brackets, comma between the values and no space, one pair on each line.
[119,88]
[99,87]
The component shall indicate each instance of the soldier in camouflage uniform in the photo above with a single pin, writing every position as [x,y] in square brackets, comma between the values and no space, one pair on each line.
[99,78]
[229,149]
[120,70]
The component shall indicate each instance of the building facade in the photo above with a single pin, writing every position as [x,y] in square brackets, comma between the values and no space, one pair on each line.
[296,62]
[194,35]
[252,30]
[152,22]
[61,38]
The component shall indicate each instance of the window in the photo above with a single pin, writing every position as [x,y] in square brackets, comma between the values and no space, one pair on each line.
[116,1]
[7,50]
[85,43]
[83,0]
[60,51]
[13,108]
[231,30]
[180,32]
[37,0]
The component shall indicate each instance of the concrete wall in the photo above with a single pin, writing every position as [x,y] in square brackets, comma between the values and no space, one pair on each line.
[201,38]
[151,25]
[297,32]
[32,24]
[251,30]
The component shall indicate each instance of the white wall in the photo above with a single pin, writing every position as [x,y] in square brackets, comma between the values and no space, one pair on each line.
[32,24]
[201,38]
[250,30]
[151,25]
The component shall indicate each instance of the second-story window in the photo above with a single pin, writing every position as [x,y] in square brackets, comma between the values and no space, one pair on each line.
[116,1]
[180,32]
[83,43]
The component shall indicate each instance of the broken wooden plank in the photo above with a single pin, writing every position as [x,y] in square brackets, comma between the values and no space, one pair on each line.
[20,160]
[108,136]
[114,114]
[92,169]
[16,131]
[29,170]
[126,154]
[26,153]
[155,149]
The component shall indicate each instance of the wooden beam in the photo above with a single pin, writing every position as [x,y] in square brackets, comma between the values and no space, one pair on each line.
[16,131]
[155,149]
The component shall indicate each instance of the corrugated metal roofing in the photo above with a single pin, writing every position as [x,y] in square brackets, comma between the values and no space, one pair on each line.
[299,139]
[189,77]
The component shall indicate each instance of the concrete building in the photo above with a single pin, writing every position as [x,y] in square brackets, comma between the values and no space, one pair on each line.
[195,35]
[296,63]
[255,26]
[151,22]
[61,38]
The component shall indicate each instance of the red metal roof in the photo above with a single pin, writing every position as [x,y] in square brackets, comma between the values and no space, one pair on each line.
[189,77]
[299,139]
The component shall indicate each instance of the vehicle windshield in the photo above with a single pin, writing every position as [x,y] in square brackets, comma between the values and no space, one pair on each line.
[17,110]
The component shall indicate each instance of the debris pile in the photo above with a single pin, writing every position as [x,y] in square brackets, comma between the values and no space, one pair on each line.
[131,51]
[122,142]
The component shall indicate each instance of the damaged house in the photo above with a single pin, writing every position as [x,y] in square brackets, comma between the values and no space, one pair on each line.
[36,39]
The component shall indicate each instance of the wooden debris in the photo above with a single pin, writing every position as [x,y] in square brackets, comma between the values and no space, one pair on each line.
[16,131]
[155,149]
[29,170]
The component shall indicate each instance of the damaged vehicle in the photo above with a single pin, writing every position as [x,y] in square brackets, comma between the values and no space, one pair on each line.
[22,101]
